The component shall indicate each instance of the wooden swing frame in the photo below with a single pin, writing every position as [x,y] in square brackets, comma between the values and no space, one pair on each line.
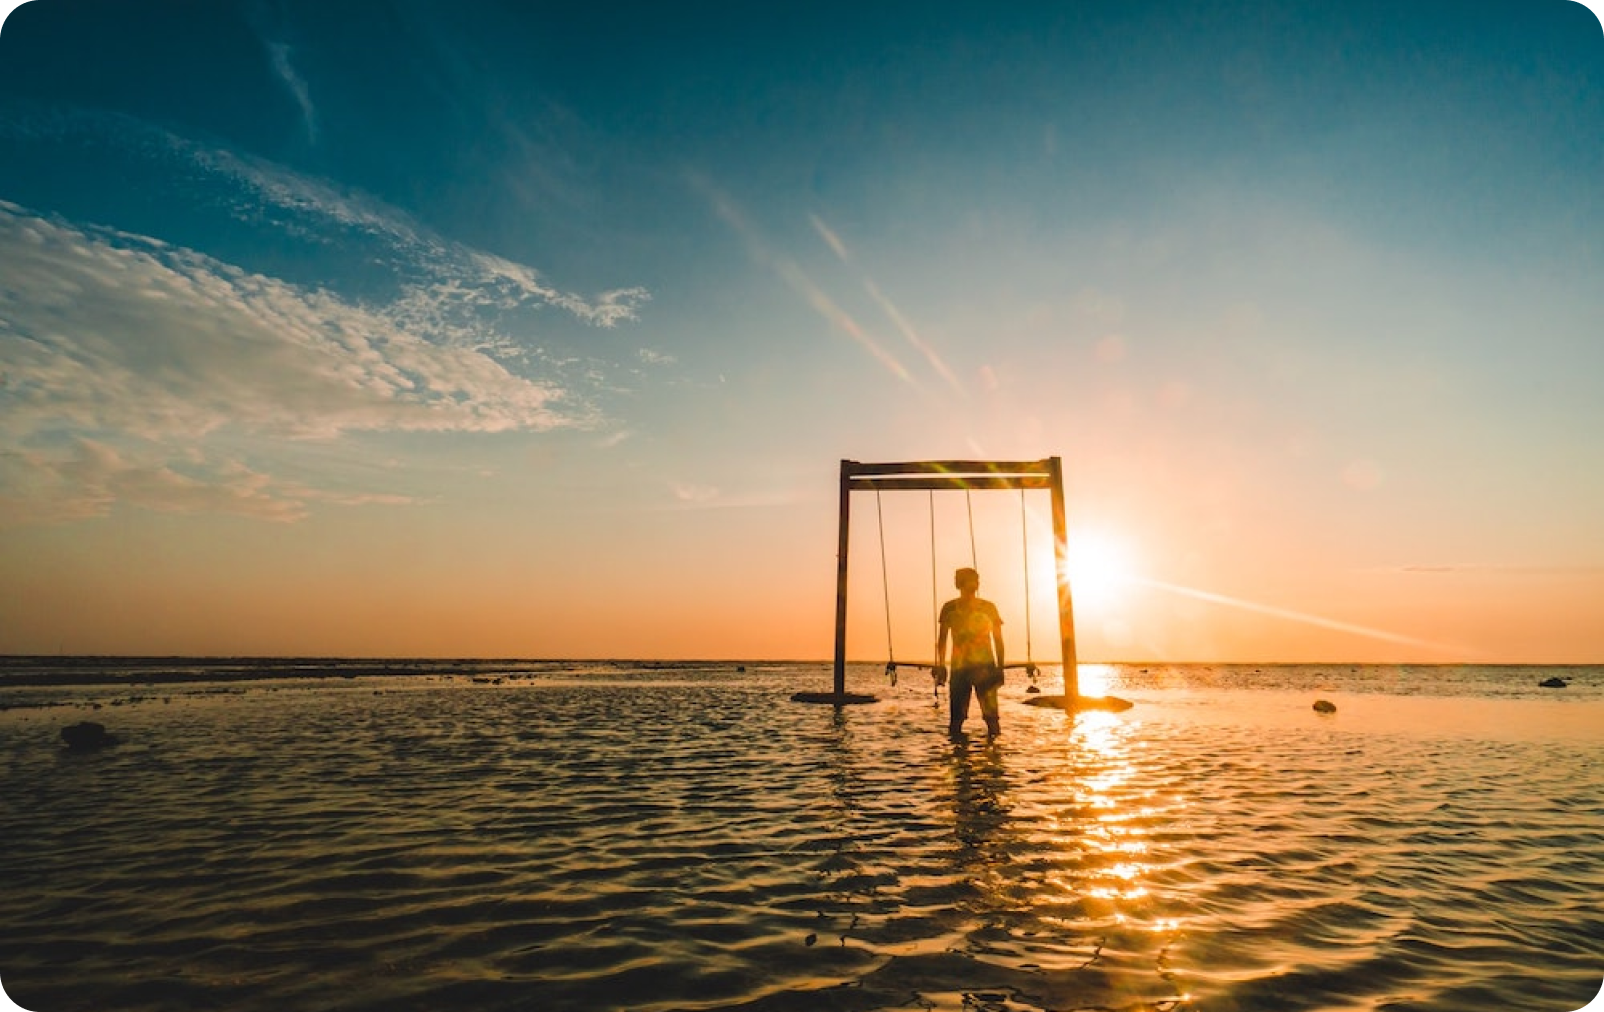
[950,474]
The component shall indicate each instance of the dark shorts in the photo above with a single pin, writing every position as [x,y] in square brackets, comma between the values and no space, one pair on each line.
[984,677]
[984,681]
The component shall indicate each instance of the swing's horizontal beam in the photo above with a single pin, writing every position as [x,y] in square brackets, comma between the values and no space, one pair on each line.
[852,468]
[927,664]
[932,481]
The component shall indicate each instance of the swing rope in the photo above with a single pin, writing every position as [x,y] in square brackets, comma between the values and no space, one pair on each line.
[936,679]
[885,589]
[935,605]
[974,559]
[1024,547]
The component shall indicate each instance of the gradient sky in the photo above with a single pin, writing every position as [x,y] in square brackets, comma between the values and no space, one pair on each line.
[417,328]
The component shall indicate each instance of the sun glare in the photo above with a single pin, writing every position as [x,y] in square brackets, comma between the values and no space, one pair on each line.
[1100,568]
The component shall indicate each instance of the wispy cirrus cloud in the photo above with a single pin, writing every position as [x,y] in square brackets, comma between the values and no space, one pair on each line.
[1305,618]
[106,333]
[120,356]
[801,282]
[831,240]
[447,274]
[126,359]
[428,271]
[898,319]
[690,495]
[89,478]
[279,53]
[1501,569]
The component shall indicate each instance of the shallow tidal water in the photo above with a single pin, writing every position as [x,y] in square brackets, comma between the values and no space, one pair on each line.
[684,837]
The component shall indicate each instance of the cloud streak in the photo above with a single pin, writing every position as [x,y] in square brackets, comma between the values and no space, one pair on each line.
[1290,615]
[279,54]
[1502,569]
[789,271]
[912,336]
[898,320]
[830,238]
[686,495]
[92,477]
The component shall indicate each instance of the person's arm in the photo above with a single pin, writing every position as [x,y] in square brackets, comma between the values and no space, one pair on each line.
[997,640]
[941,645]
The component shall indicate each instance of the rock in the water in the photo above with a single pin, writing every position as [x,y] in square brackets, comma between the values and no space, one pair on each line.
[1553,683]
[1324,706]
[87,735]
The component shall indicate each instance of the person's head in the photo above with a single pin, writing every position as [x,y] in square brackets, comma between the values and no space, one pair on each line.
[966,579]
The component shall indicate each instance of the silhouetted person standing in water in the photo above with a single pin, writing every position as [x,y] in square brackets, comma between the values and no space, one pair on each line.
[977,652]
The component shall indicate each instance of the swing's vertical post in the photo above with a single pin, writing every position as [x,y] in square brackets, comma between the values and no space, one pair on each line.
[841,580]
[1066,607]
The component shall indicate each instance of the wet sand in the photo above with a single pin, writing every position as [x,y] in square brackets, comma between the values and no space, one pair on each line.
[684,838]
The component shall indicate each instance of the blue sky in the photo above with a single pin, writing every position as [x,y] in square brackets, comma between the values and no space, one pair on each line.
[519,329]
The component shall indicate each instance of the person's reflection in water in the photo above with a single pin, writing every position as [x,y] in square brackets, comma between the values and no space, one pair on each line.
[987,904]
[981,787]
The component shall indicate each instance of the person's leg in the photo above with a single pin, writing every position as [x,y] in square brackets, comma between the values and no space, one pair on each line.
[957,700]
[989,710]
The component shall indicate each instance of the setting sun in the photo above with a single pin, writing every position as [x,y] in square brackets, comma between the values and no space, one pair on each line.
[1101,566]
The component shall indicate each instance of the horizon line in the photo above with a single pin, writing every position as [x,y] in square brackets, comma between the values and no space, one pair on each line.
[7,657]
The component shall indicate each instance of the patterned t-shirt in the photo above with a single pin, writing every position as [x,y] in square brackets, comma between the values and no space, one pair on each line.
[971,623]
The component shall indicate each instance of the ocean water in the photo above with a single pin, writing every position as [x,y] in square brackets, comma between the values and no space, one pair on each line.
[595,836]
